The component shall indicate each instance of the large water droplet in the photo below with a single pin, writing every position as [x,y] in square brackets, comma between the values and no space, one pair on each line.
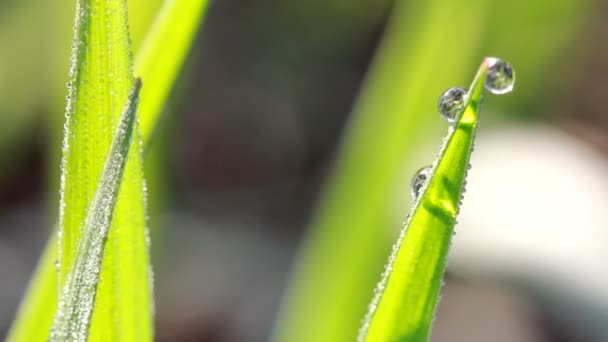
[500,77]
[451,103]
[420,180]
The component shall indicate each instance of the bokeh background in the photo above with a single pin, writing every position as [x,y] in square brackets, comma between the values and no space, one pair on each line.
[273,93]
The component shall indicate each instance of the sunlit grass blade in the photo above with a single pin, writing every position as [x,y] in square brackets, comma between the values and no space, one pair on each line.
[141,16]
[158,62]
[406,297]
[77,301]
[351,231]
[100,79]
[162,54]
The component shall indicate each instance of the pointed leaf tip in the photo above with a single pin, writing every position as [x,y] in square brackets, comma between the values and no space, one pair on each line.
[406,296]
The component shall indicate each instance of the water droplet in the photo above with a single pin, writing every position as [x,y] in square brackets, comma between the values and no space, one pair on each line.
[420,180]
[500,77]
[451,103]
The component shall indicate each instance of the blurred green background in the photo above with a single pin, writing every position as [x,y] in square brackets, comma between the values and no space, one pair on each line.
[293,133]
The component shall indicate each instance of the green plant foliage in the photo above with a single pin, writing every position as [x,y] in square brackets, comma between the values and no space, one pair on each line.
[351,232]
[407,295]
[159,61]
[175,26]
[73,316]
[166,45]
[141,16]
[100,78]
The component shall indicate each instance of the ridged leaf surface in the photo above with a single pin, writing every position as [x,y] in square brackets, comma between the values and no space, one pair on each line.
[78,297]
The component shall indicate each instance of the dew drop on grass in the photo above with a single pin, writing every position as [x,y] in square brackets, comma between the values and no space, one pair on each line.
[500,77]
[420,180]
[451,103]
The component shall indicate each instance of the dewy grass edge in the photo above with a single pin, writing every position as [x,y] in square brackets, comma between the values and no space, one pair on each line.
[405,299]
[77,302]
[35,313]
[100,81]
[353,225]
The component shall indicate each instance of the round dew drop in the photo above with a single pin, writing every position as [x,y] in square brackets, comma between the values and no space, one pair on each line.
[451,103]
[500,76]
[420,180]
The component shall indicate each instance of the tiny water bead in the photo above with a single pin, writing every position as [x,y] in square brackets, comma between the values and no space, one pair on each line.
[451,103]
[500,76]
[420,180]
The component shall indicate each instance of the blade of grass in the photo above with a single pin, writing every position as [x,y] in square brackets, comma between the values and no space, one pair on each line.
[100,82]
[159,61]
[167,45]
[73,317]
[100,78]
[162,54]
[141,16]
[407,295]
[351,231]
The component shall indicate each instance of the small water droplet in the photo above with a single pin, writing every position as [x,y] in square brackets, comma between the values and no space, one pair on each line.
[451,103]
[500,77]
[420,180]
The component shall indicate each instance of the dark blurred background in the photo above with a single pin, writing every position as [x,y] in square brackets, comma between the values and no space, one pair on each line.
[248,143]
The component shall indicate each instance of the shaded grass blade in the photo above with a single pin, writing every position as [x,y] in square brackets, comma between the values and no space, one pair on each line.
[407,295]
[162,54]
[159,62]
[77,302]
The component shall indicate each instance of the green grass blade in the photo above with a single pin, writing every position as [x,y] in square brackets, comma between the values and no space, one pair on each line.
[162,55]
[77,301]
[406,297]
[166,44]
[159,62]
[141,16]
[101,77]
[350,234]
